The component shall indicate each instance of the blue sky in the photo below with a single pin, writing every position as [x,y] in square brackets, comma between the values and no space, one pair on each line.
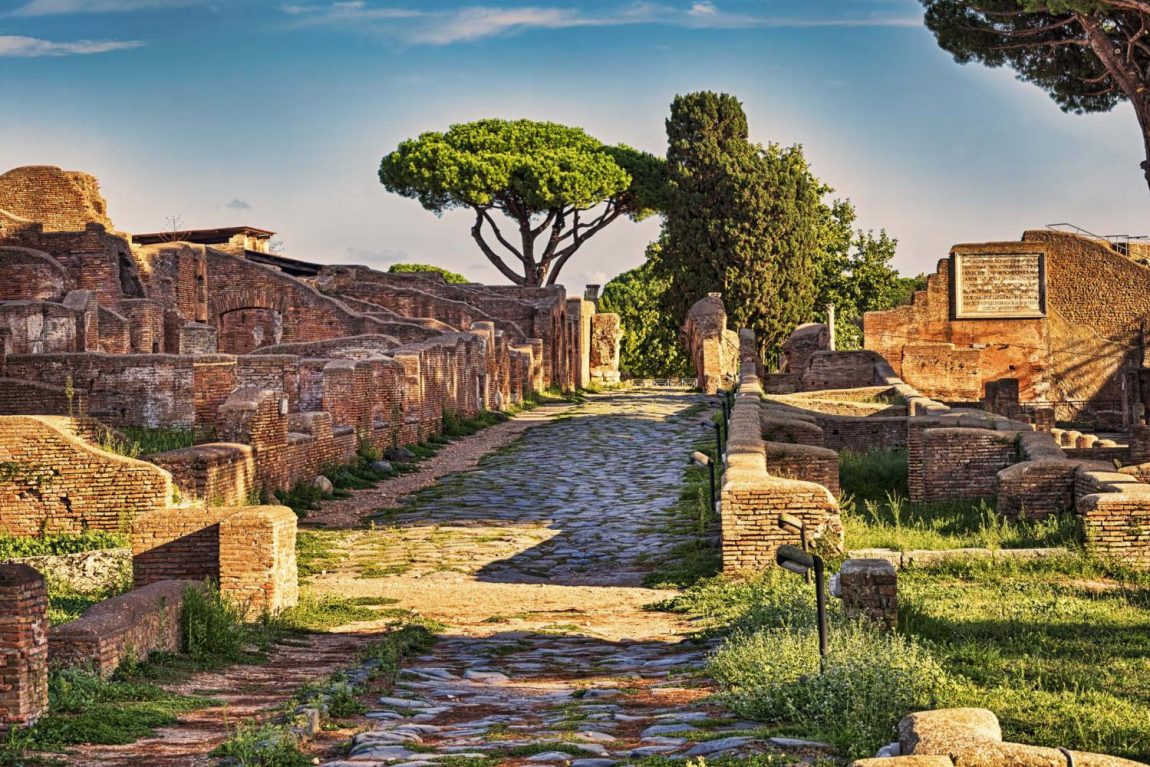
[275,113]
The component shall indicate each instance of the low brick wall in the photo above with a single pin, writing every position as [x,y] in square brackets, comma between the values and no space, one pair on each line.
[1115,512]
[862,434]
[249,551]
[869,590]
[220,473]
[752,500]
[52,481]
[23,646]
[790,430]
[130,626]
[805,462]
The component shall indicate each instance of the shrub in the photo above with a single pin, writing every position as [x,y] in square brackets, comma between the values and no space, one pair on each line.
[871,679]
[263,745]
[213,625]
[15,546]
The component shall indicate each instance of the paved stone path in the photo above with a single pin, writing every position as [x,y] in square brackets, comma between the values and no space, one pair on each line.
[535,562]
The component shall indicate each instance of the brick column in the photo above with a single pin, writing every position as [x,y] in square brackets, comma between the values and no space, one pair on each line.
[869,589]
[23,646]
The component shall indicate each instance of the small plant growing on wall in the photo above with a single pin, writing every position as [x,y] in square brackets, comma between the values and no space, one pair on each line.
[70,393]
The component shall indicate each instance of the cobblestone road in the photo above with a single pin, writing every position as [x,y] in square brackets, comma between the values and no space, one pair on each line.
[535,562]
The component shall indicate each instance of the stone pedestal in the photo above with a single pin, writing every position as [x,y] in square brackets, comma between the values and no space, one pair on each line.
[869,589]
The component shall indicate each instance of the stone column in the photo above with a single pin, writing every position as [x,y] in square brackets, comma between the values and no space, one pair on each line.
[23,646]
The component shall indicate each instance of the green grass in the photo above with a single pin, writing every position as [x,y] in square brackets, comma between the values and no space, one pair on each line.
[15,546]
[1058,648]
[326,613]
[86,709]
[317,551]
[695,519]
[877,514]
[147,441]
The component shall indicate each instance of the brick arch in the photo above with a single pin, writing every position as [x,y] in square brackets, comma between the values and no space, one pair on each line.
[260,297]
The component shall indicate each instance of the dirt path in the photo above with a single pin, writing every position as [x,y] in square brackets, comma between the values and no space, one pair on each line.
[243,692]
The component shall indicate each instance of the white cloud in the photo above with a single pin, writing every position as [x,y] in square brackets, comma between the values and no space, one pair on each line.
[480,22]
[57,7]
[238,204]
[16,46]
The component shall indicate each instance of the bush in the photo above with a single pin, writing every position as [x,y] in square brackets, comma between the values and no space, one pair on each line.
[213,626]
[263,745]
[871,680]
[15,546]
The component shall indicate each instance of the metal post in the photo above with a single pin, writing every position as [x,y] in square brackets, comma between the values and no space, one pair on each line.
[821,606]
[714,501]
[718,442]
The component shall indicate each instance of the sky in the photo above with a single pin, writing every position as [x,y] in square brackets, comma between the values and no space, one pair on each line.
[275,114]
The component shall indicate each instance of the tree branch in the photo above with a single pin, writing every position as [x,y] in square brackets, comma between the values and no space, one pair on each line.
[492,256]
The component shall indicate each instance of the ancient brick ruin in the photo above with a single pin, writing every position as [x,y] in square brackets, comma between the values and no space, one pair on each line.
[279,366]
[1063,314]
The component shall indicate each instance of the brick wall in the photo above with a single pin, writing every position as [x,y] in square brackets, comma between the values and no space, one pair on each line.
[752,500]
[805,462]
[960,462]
[606,346]
[1074,357]
[796,431]
[839,370]
[62,200]
[219,474]
[38,327]
[249,551]
[30,275]
[23,646]
[154,390]
[54,482]
[130,626]
[713,348]
[862,433]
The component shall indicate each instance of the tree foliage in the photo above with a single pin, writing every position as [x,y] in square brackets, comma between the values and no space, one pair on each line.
[558,185]
[651,347]
[741,219]
[855,275]
[1088,55]
[451,277]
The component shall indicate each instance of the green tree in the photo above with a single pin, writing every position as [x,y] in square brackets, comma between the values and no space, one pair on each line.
[558,185]
[855,274]
[651,347]
[741,219]
[452,277]
[1088,55]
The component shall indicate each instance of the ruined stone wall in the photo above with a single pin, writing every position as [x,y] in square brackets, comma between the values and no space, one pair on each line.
[752,499]
[1096,300]
[153,390]
[218,474]
[948,463]
[23,646]
[52,481]
[579,315]
[861,434]
[806,462]
[248,551]
[839,370]
[713,348]
[63,201]
[128,627]
[30,275]
[93,258]
[606,347]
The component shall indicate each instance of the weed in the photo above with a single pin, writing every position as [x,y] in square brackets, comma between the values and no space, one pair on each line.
[263,745]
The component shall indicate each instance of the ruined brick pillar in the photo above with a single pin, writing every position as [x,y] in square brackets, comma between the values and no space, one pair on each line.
[1139,444]
[869,590]
[23,646]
